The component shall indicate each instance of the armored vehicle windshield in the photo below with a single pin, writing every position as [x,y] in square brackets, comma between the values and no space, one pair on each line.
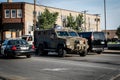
[72,33]
[62,33]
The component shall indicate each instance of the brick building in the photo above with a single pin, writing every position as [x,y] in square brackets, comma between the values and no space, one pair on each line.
[111,34]
[12,20]
[16,18]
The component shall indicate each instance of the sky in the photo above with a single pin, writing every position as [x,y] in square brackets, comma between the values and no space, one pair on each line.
[92,7]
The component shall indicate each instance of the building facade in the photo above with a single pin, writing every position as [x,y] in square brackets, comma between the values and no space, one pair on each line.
[12,19]
[16,18]
[111,34]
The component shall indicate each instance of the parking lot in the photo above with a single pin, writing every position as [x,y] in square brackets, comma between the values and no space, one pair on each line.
[72,67]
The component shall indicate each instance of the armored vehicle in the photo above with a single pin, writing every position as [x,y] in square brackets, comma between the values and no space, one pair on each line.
[60,40]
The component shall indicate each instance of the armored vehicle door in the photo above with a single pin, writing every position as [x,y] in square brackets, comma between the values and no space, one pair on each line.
[53,40]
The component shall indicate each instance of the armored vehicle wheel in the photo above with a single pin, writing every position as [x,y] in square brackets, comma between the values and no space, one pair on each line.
[61,52]
[84,53]
[40,50]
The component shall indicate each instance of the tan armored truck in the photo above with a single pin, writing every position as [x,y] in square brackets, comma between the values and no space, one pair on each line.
[60,40]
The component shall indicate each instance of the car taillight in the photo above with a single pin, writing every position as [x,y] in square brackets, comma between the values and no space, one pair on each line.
[33,43]
[13,48]
[92,37]
[33,47]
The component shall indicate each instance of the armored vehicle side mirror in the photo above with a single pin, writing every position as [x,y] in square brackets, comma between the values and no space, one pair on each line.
[52,36]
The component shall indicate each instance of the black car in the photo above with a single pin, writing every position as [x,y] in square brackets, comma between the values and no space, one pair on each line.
[96,41]
[16,47]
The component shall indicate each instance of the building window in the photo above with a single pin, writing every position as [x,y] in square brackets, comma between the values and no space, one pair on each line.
[7,13]
[19,13]
[39,13]
[13,13]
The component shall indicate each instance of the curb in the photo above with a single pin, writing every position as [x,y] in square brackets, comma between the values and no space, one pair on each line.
[111,51]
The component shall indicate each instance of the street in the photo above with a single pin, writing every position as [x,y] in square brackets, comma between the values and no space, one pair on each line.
[92,67]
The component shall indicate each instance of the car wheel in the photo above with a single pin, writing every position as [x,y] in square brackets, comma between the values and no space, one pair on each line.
[7,56]
[84,53]
[99,52]
[61,52]
[45,53]
[28,56]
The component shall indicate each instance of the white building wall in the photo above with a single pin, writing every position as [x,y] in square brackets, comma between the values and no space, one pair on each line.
[29,8]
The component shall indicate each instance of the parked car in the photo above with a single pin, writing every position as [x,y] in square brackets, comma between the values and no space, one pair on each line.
[16,47]
[28,38]
[96,41]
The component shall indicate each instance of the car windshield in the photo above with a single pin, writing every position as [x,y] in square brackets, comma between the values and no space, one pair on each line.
[17,42]
[73,34]
[27,38]
[62,33]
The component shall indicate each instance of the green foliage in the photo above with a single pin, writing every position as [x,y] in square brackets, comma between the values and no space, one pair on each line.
[75,23]
[118,32]
[70,21]
[79,21]
[46,19]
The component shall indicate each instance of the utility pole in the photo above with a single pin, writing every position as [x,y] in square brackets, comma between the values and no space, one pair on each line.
[97,20]
[34,17]
[84,12]
[105,18]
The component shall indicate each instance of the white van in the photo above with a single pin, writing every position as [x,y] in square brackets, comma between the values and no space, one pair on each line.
[28,38]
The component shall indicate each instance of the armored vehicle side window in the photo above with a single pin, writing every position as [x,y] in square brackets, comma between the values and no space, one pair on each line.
[74,34]
[85,35]
[62,33]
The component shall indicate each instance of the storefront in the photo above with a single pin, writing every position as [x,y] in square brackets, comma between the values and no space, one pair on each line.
[12,30]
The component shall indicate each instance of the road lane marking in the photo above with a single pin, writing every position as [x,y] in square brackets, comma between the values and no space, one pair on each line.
[55,69]
[67,62]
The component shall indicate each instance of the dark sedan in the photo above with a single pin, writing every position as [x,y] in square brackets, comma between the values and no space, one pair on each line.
[17,47]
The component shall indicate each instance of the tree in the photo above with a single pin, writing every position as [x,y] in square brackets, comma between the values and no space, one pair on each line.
[71,21]
[79,21]
[46,19]
[75,23]
[118,32]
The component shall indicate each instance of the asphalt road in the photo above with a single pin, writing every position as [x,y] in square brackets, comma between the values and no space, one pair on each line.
[72,67]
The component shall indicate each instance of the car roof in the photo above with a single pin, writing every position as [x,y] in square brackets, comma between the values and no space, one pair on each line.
[26,35]
[14,39]
[92,32]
